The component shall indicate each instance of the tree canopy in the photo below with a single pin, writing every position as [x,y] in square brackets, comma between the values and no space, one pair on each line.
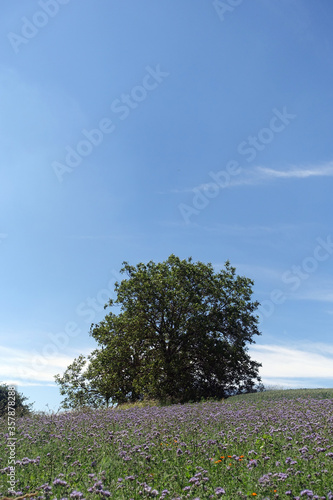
[181,335]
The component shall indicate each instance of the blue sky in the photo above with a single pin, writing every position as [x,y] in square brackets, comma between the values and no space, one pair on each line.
[133,130]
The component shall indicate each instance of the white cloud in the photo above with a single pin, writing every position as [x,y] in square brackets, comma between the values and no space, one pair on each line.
[23,383]
[311,360]
[258,175]
[325,170]
[285,383]
[284,365]
[26,368]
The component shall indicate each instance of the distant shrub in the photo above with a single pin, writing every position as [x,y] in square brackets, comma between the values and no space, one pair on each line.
[138,404]
[7,399]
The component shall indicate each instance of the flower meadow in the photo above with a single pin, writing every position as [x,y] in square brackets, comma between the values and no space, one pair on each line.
[237,448]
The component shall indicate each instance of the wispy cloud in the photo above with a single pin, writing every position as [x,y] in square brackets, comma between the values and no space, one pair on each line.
[310,360]
[260,175]
[30,368]
[289,365]
[325,170]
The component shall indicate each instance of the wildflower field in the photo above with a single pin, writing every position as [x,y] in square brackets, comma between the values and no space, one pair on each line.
[266,445]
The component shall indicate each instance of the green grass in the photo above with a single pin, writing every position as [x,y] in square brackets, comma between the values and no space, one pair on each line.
[272,395]
[275,444]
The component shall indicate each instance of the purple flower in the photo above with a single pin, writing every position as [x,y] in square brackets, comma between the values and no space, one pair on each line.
[76,494]
[219,491]
[283,476]
[309,493]
[60,482]
[265,479]
[46,487]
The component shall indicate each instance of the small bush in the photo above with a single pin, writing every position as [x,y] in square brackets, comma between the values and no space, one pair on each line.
[21,408]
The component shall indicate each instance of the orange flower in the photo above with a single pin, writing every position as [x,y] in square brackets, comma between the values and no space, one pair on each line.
[254,494]
[217,461]
[222,457]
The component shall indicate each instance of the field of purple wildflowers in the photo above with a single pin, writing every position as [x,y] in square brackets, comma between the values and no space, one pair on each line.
[242,447]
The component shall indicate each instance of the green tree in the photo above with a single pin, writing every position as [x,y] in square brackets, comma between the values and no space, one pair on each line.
[80,386]
[12,399]
[181,334]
